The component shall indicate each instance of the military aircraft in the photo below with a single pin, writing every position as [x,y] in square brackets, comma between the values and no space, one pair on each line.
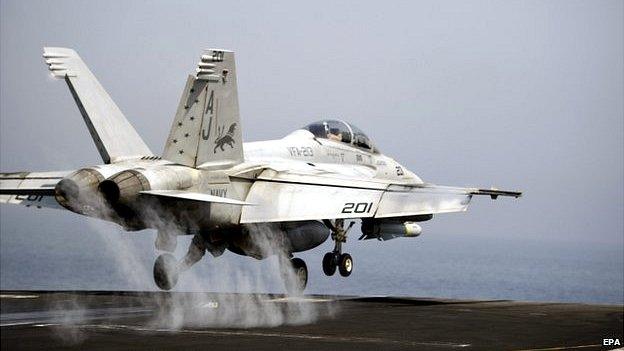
[293,193]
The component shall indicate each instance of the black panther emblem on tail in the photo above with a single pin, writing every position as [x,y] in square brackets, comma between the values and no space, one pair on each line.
[228,139]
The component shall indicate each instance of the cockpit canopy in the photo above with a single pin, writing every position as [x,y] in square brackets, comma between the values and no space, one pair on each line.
[341,131]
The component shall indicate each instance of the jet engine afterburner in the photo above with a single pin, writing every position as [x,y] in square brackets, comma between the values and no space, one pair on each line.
[77,191]
[124,187]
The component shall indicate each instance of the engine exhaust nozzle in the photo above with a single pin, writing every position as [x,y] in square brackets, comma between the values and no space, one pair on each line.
[78,191]
[123,187]
[109,190]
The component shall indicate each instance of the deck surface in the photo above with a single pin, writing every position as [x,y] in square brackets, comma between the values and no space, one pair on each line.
[134,320]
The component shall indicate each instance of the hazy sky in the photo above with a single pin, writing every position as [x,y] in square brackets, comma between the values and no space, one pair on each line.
[523,95]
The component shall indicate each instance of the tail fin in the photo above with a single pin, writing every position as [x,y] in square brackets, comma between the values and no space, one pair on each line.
[206,130]
[113,135]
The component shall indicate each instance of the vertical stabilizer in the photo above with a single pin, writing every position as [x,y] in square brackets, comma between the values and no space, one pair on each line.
[114,136]
[206,130]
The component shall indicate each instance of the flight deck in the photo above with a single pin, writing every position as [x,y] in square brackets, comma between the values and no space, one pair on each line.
[99,320]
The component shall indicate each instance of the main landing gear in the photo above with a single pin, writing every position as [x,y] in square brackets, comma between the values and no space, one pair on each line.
[166,271]
[336,259]
[167,268]
[294,284]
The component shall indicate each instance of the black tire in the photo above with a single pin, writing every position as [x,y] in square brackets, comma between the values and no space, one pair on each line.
[301,277]
[166,271]
[345,265]
[330,264]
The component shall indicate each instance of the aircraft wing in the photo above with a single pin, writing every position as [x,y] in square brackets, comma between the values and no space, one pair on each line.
[412,200]
[31,189]
[285,196]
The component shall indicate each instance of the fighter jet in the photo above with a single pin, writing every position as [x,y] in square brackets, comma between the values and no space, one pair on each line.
[293,193]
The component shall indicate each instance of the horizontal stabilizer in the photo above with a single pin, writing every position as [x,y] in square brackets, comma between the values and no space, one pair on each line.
[185,195]
[34,189]
[19,183]
[43,191]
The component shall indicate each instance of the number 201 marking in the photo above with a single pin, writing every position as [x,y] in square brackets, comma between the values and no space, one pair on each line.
[360,207]
[217,56]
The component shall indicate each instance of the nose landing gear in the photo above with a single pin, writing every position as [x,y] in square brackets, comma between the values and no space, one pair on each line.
[330,264]
[337,259]
[345,265]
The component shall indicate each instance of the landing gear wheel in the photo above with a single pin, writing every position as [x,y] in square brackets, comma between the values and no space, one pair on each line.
[166,271]
[329,264]
[344,261]
[345,265]
[300,269]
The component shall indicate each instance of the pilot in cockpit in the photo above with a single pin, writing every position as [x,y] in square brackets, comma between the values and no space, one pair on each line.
[334,134]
